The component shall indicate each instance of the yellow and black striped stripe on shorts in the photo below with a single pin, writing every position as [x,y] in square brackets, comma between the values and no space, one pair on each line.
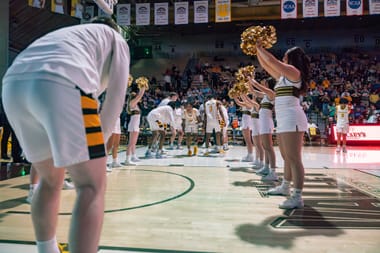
[94,134]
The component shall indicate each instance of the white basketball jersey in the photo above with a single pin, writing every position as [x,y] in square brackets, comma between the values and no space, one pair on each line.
[211,110]
[342,115]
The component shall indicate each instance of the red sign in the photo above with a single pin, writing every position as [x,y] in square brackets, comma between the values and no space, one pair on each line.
[359,134]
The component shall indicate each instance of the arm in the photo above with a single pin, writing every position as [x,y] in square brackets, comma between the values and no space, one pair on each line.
[275,67]
[252,102]
[270,93]
[240,103]
[137,99]
[255,92]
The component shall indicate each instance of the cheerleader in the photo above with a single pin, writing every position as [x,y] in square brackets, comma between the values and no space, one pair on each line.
[190,119]
[134,113]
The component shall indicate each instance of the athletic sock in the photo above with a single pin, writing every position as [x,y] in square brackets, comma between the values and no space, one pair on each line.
[49,246]
[297,193]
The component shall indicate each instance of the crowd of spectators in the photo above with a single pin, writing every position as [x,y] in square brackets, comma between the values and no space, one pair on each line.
[353,76]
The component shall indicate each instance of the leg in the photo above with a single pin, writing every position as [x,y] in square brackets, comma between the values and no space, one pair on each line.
[115,145]
[268,147]
[110,143]
[87,220]
[180,137]
[259,148]
[248,140]
[339,136]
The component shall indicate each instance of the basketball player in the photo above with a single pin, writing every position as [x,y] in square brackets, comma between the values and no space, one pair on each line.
[50,97]
[191,118]
[134,111]
[113,145]
[213,115]
[178,130]
[342,124]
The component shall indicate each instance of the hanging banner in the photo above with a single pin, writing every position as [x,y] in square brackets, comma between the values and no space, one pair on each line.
[222,11]
[288,9]
[143,14]
[181,13]
[161,13]
[57,6]
[76,9]
[102,13]
[310,8]
[374,7]
[332,8]
[200,12]
[88,14]
[354,7]
[123,14]
[36,3]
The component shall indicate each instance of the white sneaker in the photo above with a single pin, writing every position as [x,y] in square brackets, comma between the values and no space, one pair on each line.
[109,168]
[344,150]
[272,176]
[115,165]
[129,163]
[257,165]
[135,159]
[292,203]
[263,171]
[338,149]
[247,159]
[279,190]
[30,196]
[68,185]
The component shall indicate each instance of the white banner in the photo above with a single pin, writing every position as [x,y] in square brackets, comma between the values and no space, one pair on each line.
[123,14]
[200,12]
[354,7]
[181,13]
[374,7]
[143,14]
[288,9]
[222,11]
[88,14]
[310,8]
[161,13]
[332,8]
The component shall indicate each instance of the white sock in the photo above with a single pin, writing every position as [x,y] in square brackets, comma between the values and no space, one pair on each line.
[297,193]
[49,246]
[127,158]
[33,187]
[135,156]
[285,184]
[114,160]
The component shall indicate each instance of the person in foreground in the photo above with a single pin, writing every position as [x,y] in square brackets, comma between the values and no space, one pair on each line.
[50,97]
[292,75]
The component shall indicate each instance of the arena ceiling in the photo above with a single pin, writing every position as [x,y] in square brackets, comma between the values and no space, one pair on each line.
[28,23]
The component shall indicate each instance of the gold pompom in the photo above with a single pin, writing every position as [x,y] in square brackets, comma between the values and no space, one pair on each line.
[243,74]
[249,37]
[142,82]
[130,80]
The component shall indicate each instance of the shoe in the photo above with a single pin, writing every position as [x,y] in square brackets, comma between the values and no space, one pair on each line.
[67,185]
[148,154]
[135,159]
[247,159]
[179,147]
[263,171]
[221,151]
[171,147]
[63,248]
[279,190]
[159,155]
[129,163]
[195,150]
[109,169]
[257,165]
[338,149]
[30,196]
[115,165]
[292,203]
[207,153]
[225,147]
[189,153]
[5,157]
[272,176]
[344,150]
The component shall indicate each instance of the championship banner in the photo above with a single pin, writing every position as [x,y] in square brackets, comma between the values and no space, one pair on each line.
[354,7]
[57,6]
[143,14]
[332,8]
[76,9]
[181,13]
[35,3]
[161,13]
[222,11]
[123,14]
[88,14]
[310,8]
[200,12]
[374,7]
[288,9]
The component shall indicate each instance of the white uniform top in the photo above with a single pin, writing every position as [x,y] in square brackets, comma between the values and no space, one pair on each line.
[92,57]
[342,116]
[211,110]
[163,113]
[287,100]
[164,101]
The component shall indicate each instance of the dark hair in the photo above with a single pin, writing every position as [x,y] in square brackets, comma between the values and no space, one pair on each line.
[172,104]
[298,58]
[106,21]
[172,94]
[271,83]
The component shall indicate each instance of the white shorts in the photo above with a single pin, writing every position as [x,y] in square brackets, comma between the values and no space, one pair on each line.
[266,121]
[246,121]
[255,126]
[155,124]
[54,121]
[214,125]
[134,123]
[344,129]
[191,129]
[177,125]
[117,129]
